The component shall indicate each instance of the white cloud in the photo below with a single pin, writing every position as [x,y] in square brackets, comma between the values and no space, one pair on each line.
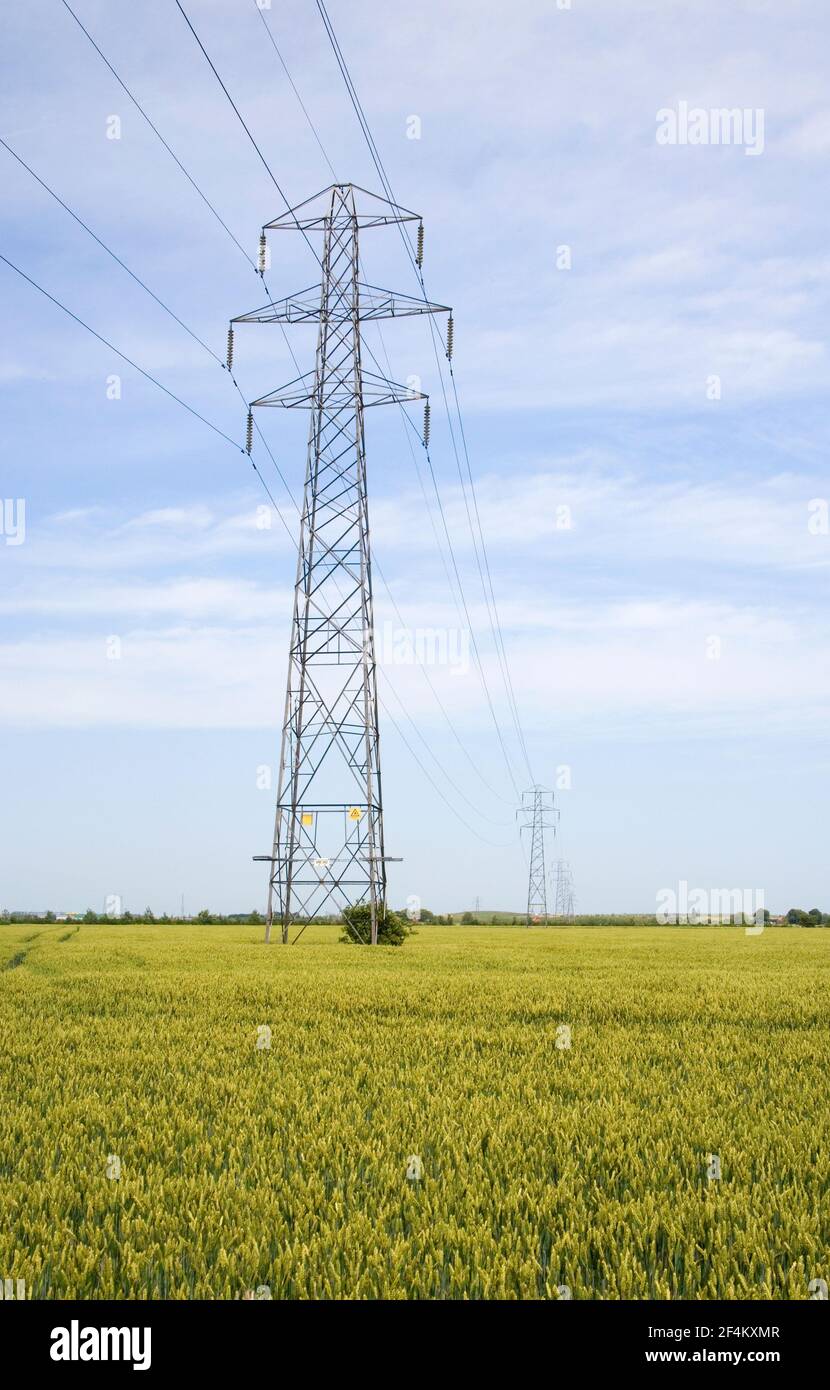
[626,664]
[738,523]
[206,649]
[189,599]
[97,538]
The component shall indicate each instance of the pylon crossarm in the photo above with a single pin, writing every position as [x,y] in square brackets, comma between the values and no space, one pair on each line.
[301,307]
[377,303]
[375,390]
[374,304]
[322,211]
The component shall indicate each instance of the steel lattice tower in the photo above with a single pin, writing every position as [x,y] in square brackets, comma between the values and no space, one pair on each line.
[564,903]
[328,848]
[539,816]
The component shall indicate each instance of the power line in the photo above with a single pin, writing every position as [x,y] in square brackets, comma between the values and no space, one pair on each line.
[156,131]
[208,204]
[442,708]
[240,117]
[404,416]
[110,252]
[216,429]
[180,166]
[499,628]
[209,350]
[276,184]
[236,242]
[493,616]
[166,307]
[269,31]
[120,354]
[434,784]
[407,422]
[149,377]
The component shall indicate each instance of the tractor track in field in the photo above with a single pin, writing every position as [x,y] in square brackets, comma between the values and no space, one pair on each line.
[14,961]
[19,958]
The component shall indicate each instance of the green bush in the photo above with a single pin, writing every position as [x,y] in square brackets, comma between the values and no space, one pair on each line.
[393,929]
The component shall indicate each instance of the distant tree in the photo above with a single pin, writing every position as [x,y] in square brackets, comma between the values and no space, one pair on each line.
[148,915]
[254,918]
[50,917]
[204,915]
[467,919]
[815,914]
[795,915]
[393,929]
[90,916]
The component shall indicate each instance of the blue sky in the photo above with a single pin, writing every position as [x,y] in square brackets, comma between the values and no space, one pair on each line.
[669,646]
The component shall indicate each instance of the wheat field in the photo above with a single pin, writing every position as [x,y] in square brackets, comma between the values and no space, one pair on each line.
[484,1113]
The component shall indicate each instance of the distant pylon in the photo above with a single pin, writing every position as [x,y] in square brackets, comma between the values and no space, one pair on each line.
[328,848]
[564,902]
[539,815]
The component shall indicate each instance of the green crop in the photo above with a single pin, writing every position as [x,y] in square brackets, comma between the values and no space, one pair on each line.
[188,1113]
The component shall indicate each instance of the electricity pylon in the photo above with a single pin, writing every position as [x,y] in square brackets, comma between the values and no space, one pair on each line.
[564,902]
[328,848]
[539,816]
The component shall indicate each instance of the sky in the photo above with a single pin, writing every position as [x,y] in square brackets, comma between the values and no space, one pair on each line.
[640,303]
